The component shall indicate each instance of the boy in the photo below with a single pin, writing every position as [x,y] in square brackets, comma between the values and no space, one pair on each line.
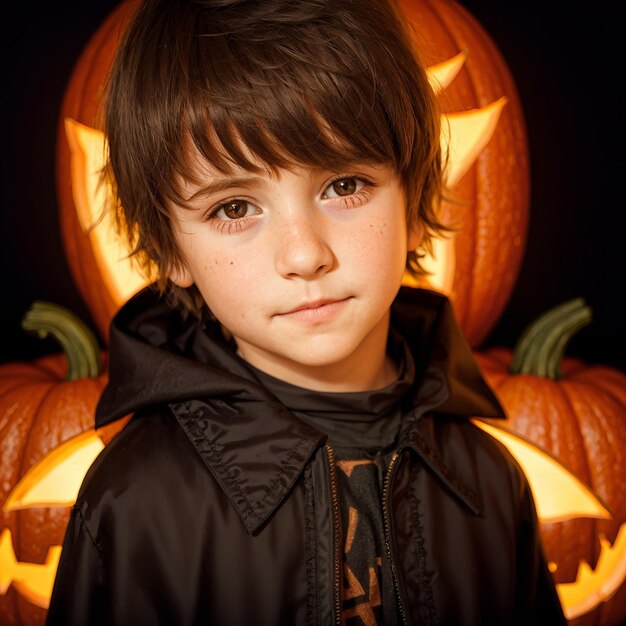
[300,451]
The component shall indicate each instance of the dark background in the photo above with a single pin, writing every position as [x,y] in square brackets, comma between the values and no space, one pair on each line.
[568,62]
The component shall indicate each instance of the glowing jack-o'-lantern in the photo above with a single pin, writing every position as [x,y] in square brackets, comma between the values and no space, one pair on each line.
[490,183]
[577,413]
[47,442]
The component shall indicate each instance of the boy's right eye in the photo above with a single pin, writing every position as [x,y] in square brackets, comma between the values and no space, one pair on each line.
[234,209]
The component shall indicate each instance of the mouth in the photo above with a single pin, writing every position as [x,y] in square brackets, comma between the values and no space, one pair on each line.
[316,311]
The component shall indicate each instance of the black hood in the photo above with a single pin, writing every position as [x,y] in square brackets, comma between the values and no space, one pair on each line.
[158,357]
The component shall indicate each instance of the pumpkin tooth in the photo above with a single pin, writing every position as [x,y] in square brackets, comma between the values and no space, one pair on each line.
[34,581]
[599,584]
[7,560]
[463,136]
[440,75]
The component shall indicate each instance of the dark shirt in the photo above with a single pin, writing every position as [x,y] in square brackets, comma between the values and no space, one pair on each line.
[362,428]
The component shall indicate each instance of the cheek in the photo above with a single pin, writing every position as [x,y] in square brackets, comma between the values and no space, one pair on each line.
[379,246]
[227,282]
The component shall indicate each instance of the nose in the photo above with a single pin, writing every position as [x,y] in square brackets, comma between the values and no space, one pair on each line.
[302,249]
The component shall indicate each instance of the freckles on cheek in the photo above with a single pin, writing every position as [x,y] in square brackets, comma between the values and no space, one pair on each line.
[378,247]
[369,242]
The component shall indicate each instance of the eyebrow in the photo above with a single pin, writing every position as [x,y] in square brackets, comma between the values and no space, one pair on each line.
[226,183]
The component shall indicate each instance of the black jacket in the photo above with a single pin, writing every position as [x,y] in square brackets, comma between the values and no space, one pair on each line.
[216,505]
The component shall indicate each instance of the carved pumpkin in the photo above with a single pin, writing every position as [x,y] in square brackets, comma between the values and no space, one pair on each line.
[577,412]
[477,269]
[42,405]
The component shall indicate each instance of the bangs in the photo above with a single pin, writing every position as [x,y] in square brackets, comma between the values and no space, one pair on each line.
[282,126]
[297,98]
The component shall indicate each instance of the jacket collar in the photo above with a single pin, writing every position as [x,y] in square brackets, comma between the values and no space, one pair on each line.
[253,446]
[255,472]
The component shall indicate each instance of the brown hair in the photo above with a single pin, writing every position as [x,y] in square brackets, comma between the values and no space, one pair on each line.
[315,82]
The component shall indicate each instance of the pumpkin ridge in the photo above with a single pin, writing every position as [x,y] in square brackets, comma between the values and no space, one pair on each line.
[560,389]
[588,419]
[18,381]
[589,538]
[610,383]
[443,32]
[607,390]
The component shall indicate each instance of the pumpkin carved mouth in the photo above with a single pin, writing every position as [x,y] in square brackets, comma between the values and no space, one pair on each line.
[54,481]
[594,586]
[33,581]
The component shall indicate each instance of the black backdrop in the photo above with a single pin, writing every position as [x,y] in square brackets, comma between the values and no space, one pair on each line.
[568,62]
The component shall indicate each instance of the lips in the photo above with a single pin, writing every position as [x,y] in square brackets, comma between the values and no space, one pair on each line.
[317,310]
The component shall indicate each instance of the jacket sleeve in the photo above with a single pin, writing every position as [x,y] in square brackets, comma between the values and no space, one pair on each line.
[78,592]
[537,599]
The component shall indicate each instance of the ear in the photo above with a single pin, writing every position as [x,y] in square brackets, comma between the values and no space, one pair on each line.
[414,236]
[180,276]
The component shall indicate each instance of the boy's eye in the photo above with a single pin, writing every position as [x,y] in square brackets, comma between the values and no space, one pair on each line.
[343,187]
[233,210]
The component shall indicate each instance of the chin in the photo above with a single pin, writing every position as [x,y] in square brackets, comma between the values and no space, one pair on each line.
[324,355]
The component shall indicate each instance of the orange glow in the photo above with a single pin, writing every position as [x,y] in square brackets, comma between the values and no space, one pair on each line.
[32,580]
[559,495]
[442,74]
[91,193]
[56,478]
[593,586]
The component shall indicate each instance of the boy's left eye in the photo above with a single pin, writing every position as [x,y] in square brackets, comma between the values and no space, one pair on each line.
[342,187]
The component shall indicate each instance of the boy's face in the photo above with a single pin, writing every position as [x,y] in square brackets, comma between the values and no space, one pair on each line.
[300,267]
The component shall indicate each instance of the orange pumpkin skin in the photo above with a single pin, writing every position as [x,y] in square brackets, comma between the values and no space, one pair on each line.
[493,196]
[581,420]
[38,411]
[492,199]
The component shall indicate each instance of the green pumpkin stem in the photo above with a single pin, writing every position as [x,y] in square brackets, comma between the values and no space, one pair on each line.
[71,333]
[540,349]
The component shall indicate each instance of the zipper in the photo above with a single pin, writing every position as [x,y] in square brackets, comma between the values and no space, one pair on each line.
[336,534]
[387,529]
